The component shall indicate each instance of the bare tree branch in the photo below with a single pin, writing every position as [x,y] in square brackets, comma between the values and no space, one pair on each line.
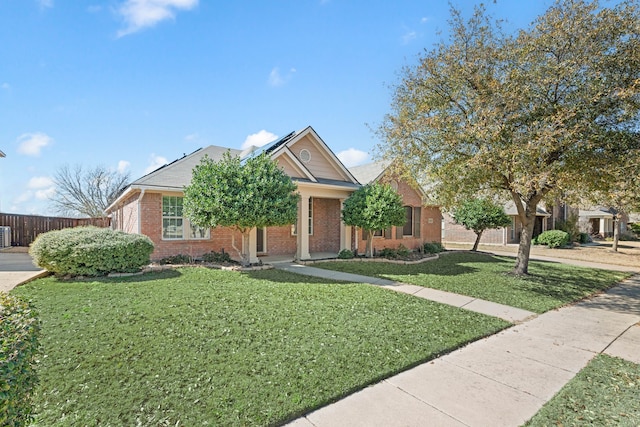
[86,192]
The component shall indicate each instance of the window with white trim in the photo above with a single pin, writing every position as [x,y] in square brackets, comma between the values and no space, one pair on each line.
[294,226]
[175,226]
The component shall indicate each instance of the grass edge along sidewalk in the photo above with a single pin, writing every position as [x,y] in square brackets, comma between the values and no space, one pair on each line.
[550,285]
[195,345]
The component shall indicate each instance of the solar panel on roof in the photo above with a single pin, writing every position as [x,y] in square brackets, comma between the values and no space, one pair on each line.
[268,148]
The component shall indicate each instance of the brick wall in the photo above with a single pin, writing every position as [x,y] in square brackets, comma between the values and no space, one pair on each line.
[280,241]
[430,224]
[326,226]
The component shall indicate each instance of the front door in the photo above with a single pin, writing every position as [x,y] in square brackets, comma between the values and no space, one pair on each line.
[260,234]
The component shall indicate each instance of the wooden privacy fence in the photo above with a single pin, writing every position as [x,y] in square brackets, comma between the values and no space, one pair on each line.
[25,228]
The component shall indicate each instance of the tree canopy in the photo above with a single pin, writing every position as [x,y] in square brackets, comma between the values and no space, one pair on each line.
[241,195]
[528,116]
[86,191]
[480,215]
[373,207]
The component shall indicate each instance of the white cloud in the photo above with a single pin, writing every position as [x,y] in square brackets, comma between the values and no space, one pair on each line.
[409,36]
[5,86]
[40,182]
[191,137]
[30,144]
[155,162]
[352,157]
[425,19]
[277,79]
[140,14]
[259,139]
[45,4]
[23,197]
[123,165]
[45,194]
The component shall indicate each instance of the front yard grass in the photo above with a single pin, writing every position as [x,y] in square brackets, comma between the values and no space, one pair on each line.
[604,393]
[205,347]
[549,285]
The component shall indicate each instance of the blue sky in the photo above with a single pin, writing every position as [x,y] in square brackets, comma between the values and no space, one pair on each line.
[133,84]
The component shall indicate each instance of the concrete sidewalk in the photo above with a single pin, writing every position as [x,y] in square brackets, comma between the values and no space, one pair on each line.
[510,314]
[17,268]
[502,380]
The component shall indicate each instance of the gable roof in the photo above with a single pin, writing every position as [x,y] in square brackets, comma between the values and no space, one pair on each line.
[370,172]
[178,173]
[511,210]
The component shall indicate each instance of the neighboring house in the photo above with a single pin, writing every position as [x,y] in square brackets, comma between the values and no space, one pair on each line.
[423,217]
[456,233]
[598,221]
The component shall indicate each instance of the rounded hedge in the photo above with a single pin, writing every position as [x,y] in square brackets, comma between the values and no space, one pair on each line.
[91,251]
[554,238]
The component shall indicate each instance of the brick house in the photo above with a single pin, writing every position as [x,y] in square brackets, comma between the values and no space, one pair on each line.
[152,205]
[456,233]
[423,217]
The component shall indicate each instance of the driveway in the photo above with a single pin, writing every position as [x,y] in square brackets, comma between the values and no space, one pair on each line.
[16,268]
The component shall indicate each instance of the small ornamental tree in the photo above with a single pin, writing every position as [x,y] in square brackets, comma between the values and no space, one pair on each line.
[373,207]
[479,215]
[241,195]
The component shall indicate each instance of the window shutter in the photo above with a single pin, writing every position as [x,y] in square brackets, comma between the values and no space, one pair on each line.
[417,211]
[388,233]
[365,234]
[398,232]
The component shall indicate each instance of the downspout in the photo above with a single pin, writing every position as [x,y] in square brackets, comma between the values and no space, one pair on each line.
[140,211]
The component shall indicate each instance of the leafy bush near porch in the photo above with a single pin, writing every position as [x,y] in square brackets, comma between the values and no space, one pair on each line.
[432,247]
[19,333]
[90,251]
[554,238]
[217,257]
[346,254]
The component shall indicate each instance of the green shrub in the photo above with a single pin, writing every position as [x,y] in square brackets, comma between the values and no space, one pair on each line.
[345,254]
[19,333]
[432,247]
[635,227]
[554,238]
[388,253]
[534,241]
[90,251]
[176,259]
[584,238]
[403,251]
[217,257]
[628,236]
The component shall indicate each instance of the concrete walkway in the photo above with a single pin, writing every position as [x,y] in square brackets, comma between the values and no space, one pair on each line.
[502,380]
[17,268]
[505,312]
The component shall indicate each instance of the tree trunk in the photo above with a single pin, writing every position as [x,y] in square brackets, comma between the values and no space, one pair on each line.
[246,257]
[369,249]
[477,242]
[524,248]
[616,232]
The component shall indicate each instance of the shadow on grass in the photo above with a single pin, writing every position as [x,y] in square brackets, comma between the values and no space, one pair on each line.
[146,277]
[281,276]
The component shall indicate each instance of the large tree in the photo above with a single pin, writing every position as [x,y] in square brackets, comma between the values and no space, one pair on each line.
[241,195]
[373,207]
[86,191]
[527,115]
[480,215]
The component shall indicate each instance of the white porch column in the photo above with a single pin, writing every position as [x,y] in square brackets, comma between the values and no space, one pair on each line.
[302,251]
[253,256]
[345,231]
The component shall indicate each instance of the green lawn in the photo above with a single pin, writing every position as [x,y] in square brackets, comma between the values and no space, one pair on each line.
[203,347]
[549,285]
[605,393]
